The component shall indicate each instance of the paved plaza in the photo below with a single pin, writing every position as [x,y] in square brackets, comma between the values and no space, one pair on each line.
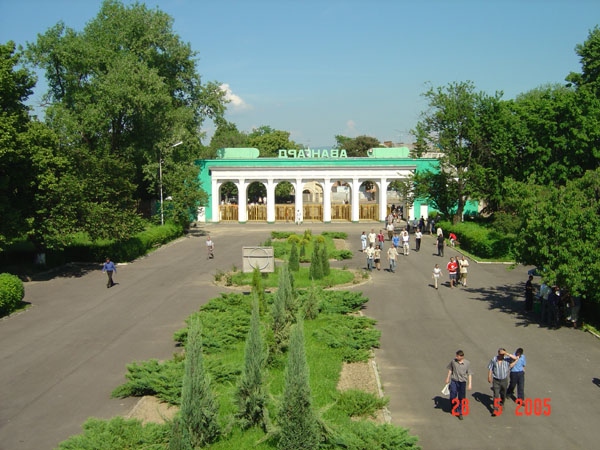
[61,358]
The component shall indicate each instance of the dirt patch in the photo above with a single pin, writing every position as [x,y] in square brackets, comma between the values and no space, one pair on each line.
[151,410]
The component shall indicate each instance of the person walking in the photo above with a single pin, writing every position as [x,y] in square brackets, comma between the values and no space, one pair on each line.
[372,237]
[418,236]
[396,240]
[390,230]
[370,251]
[210,248]
[380,238]
[463,264]
[517,376]
[529,294]
[405,242]
[452,268]
[440,244]
[460,379]
[498,373]
[363,242]
[109,268]
[392,255]
[437,273]
[377,257]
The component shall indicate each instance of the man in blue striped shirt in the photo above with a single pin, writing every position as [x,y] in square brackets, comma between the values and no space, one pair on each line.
[517,376]
[498,373]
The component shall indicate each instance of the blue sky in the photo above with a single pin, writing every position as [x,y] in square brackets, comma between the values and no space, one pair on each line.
[322,68]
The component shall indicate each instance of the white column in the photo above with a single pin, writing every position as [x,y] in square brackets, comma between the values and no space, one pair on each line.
[270,201]
[327,200]
[216,200]
[383,185]
[242,200]
[299,204]
[355,215]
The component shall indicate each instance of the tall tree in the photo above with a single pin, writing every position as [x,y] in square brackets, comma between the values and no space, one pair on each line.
[458,123]
[226,135]
[16,84]
[122,92]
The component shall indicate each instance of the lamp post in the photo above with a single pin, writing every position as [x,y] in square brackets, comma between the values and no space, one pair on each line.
[160,184]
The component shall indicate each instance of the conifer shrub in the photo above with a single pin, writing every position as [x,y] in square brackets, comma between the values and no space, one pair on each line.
[297,419]
[294,260]
[198,417]
[251,396]
[316,263]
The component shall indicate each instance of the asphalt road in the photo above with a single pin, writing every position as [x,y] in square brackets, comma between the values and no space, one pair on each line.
[61,358]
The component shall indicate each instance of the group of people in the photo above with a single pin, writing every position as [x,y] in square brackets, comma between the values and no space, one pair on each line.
[458,269]
[506,373]
[556,306]
[372,245]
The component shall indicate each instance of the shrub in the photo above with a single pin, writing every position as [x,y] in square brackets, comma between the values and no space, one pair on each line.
[11,293]
[117,433]
[356,403]
[340,255]
[335,234]
[294,261]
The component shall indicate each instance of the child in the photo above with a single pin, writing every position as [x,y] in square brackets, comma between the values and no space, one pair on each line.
[437,273]
[363,242]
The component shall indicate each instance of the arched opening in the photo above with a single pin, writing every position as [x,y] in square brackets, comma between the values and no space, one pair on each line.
[367,196]
[284,202]
[228,202]
[312,201]
[257,202]
[341,197]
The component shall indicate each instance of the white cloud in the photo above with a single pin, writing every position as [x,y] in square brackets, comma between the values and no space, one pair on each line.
[235,101]
[350,128]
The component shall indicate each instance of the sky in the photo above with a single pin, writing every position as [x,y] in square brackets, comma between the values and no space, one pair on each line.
[318,69]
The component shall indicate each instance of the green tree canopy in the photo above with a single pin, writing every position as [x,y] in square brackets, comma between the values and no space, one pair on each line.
[358,146]
[269,141]
[121,93]
[16,84]
[461,124]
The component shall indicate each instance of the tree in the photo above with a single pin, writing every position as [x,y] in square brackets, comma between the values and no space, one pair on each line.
[324,258]
[559,231]
[199,409]
[121,93]
[294,261]
[459,123]
[299,426]
[316,262]
[226,135]
[251,393]
[269,141]
[358,146]
[16,174]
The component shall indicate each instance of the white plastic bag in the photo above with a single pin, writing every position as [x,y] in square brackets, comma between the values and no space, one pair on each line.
[446,389]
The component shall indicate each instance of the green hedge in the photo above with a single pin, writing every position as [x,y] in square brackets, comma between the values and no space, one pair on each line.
[122,250]
[11,293]
[480,241]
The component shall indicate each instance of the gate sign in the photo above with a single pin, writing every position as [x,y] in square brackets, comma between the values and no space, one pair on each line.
[261,258]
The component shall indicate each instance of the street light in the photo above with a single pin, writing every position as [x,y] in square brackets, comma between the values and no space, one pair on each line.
[162,215]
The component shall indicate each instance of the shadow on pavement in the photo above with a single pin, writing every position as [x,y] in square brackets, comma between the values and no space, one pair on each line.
[485,399]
